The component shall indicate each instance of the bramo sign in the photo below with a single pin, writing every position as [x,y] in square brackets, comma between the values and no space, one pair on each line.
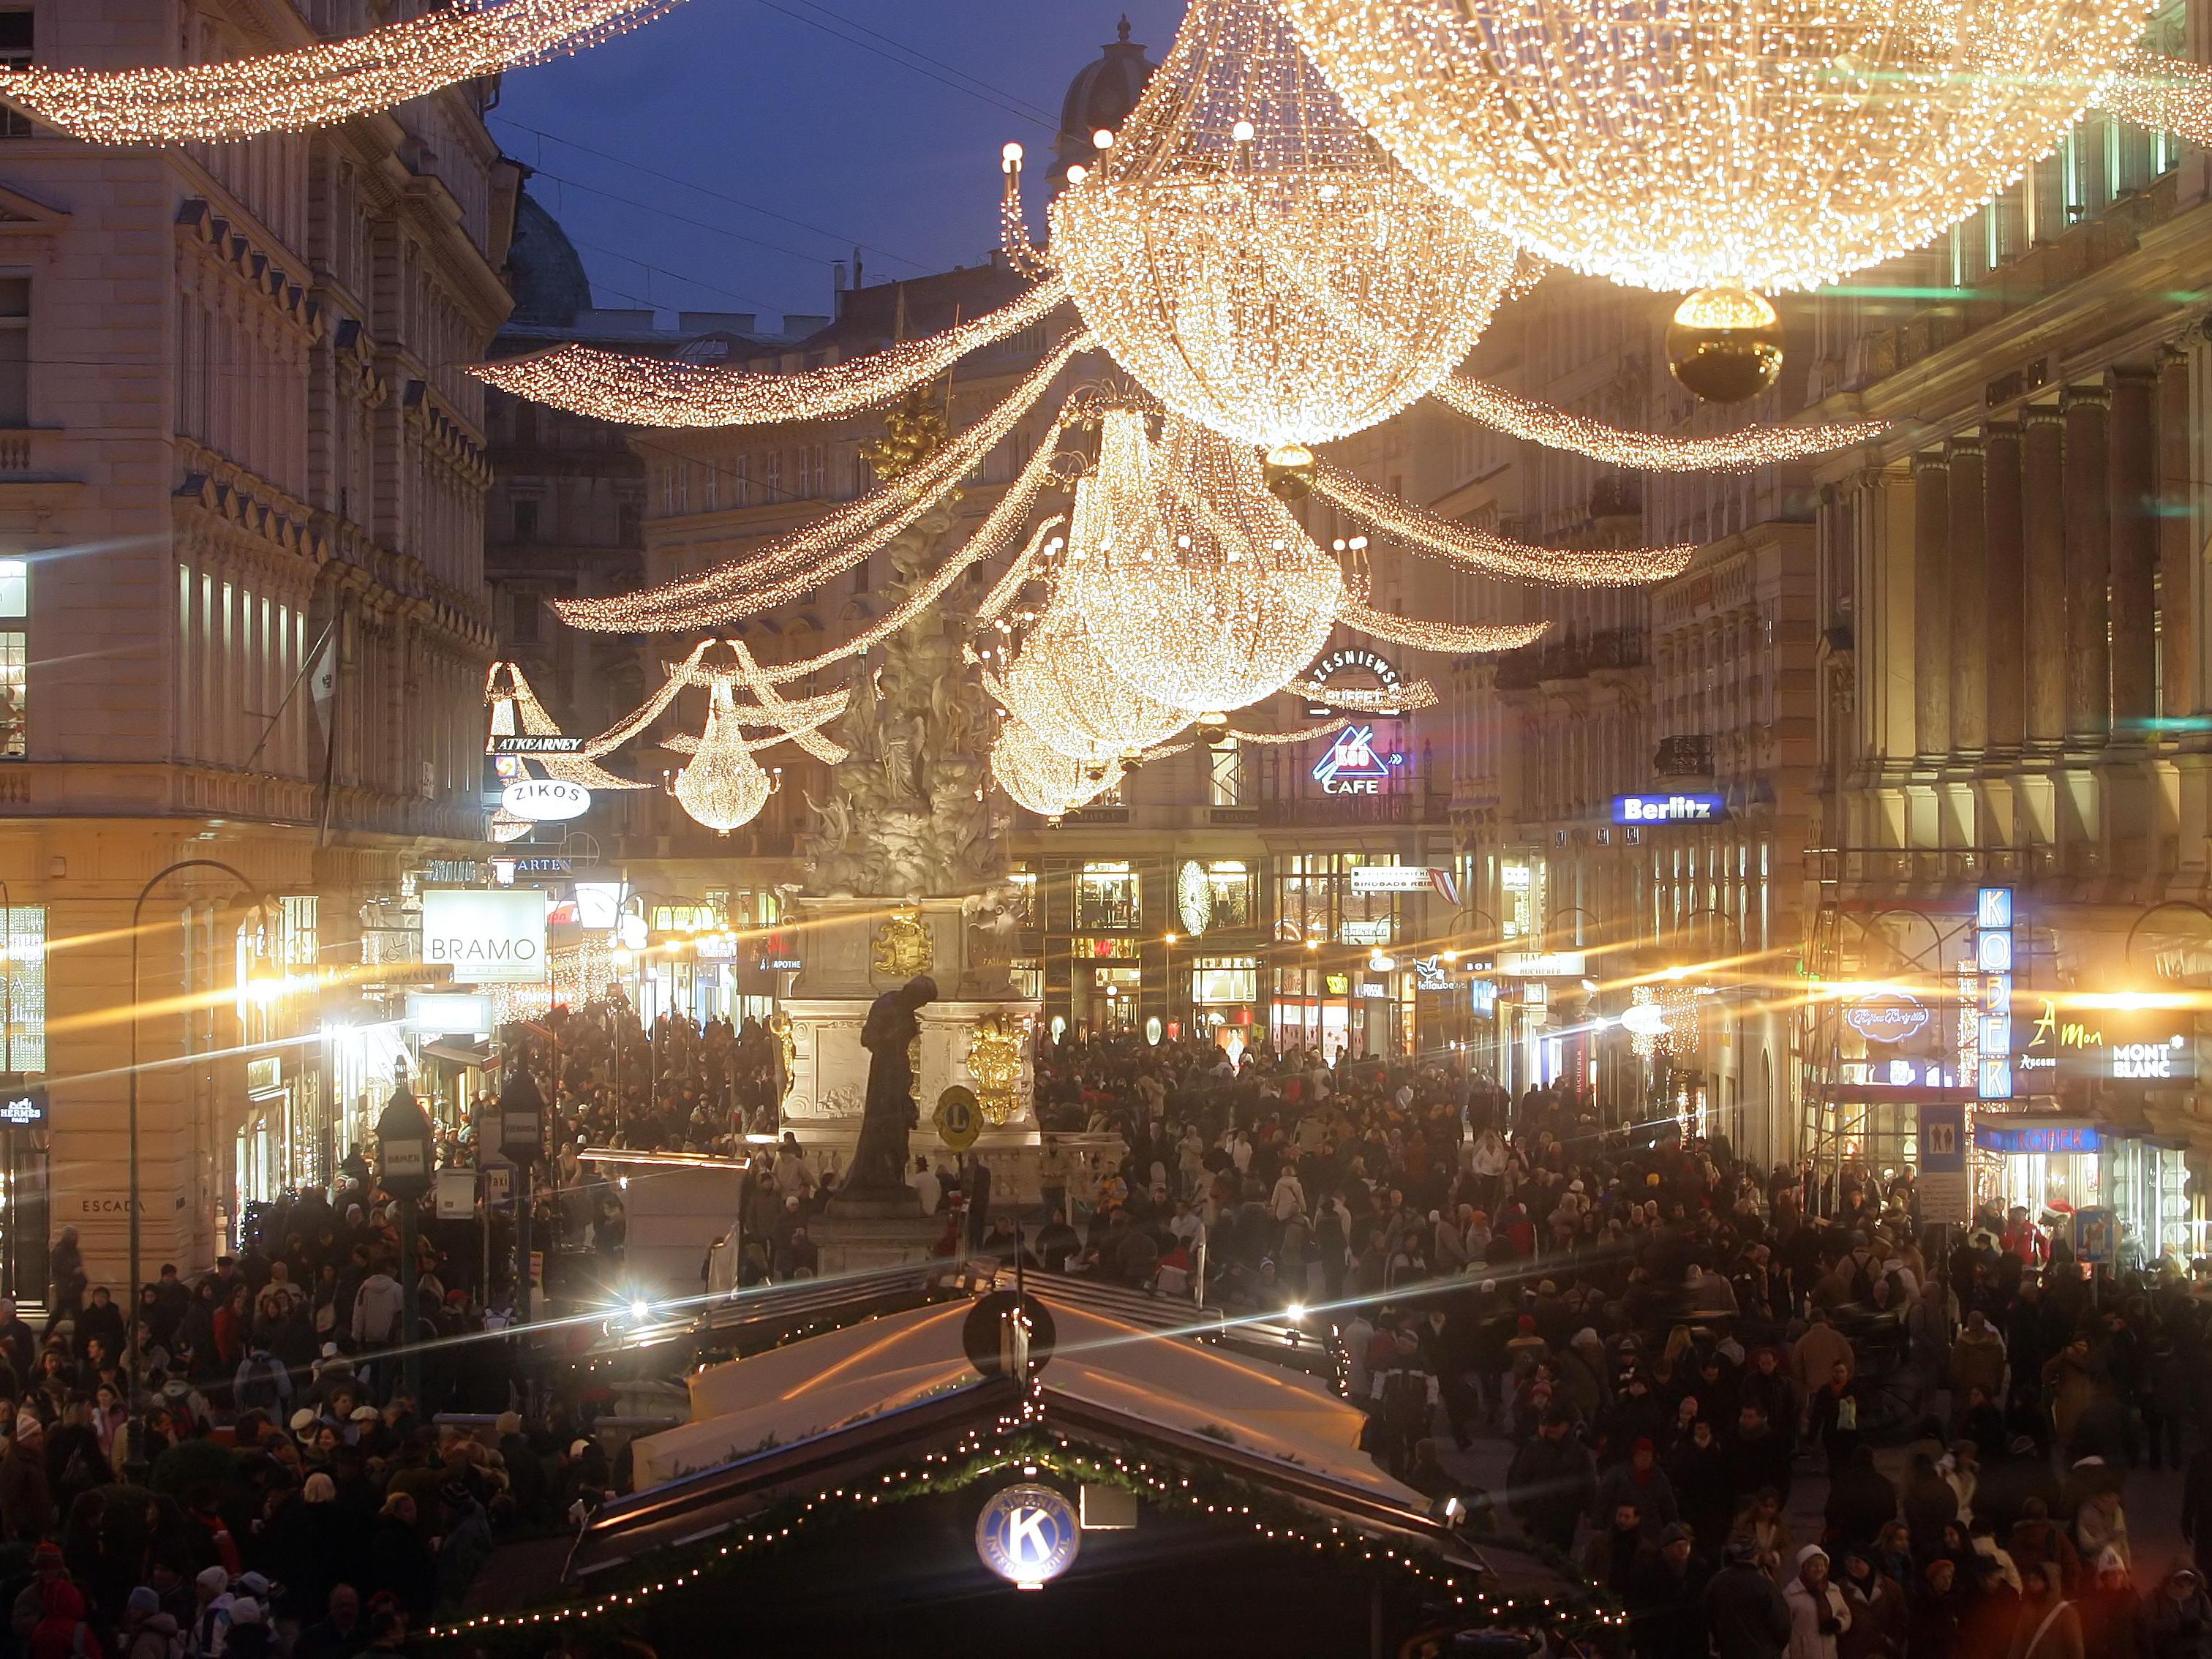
[486,938]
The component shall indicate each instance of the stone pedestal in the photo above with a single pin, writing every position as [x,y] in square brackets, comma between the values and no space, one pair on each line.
[855,950]
[850,1244]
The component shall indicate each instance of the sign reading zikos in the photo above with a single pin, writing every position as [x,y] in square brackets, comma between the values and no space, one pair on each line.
[486,938]
[1698,808]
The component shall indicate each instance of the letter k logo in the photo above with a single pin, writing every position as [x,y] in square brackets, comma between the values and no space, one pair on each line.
[1025,1540]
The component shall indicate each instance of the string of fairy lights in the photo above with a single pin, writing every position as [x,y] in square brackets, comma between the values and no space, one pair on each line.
[320,85]
[1746,451]
[634,390]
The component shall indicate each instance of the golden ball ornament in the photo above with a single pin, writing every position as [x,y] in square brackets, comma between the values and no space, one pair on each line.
[1724,344]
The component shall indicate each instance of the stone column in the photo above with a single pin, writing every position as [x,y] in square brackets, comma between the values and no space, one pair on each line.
[2005,589]
[2132,459]
[2043,556]
[1931,604]
[2176,535]
[1969,618]
[2089,566]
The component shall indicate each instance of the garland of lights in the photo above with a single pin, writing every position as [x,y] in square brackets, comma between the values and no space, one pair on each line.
[319,85]
[1445,639]
[1258,263]
[635,390]
[1685,148]
[1020,1446]
[516,712]
[803,559]
[2166,94]
[1736,451]
[1478,550]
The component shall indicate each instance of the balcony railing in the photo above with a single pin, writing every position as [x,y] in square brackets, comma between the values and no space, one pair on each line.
[1573,657]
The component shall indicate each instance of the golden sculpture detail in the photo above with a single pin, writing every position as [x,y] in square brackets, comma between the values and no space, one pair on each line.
[903,946]
[995,1065]
[787,1051]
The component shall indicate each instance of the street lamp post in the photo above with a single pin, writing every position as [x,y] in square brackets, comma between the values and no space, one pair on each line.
[131,1345]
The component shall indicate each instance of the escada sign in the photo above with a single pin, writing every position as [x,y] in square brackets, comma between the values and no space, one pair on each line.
[1669,809]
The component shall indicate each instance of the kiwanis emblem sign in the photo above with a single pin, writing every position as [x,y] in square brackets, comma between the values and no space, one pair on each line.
[1028,1535]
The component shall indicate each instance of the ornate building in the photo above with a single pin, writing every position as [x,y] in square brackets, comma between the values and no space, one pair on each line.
[241,496]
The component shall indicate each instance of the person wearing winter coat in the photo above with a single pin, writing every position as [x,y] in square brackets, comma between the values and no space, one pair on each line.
[1817,1613]
[1977,1360]
[2109,1611]
[2177,1617]
[1549,1483]
[1750,1619]
[147,1630]
[1642,1482]
[1877,1609]
[376,1310]
[27,1497]
[2070,1382]
[2048,1627]
[2101,1528]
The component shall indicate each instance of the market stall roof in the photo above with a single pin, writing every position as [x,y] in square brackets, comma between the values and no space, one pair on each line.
[825,1383]
[817,1409]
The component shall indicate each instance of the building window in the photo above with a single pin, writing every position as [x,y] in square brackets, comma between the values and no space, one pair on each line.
[772,475]
[14,656]
[525,521]
[525,626]
[14,351]
[1230,883]
[14,54]
[1227,778]
[1106,897]
[629,531]
[23,988]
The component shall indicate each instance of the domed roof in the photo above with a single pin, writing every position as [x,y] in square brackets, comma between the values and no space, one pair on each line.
[548,278]
[1102,95]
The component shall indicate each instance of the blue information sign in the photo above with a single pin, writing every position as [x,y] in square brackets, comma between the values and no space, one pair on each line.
[1678,807]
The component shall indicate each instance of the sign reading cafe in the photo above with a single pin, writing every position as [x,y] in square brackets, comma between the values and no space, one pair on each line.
[495,938]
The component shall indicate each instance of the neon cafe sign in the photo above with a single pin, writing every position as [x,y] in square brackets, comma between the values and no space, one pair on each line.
[1353,766]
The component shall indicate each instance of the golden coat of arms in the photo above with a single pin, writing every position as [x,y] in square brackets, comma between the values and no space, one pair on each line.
[995,1064]
[903,946]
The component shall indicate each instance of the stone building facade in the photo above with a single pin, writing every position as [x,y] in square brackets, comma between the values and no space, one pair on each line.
[242,541]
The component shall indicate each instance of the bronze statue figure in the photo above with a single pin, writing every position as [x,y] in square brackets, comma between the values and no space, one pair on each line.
[878,1166]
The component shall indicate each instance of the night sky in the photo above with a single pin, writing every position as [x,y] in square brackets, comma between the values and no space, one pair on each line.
[870,121]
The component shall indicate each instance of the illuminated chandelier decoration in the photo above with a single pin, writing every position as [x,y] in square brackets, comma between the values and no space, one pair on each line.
[723,787]
[1061,687]
[1714,146]
[1254,258]
[1193,583]
[1038,776]
[320,85]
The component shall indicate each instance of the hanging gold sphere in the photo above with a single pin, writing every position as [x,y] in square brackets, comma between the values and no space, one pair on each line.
[1289,472]
[1724,344]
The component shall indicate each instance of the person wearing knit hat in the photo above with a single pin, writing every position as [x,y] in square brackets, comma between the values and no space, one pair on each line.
[1818,1612]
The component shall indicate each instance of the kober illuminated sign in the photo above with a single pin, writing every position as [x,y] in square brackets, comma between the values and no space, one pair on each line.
[1698,808]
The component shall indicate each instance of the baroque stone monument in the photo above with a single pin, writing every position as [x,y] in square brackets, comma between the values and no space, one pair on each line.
[907,877]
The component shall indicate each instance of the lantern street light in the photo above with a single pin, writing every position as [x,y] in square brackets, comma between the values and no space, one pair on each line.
[403,1169]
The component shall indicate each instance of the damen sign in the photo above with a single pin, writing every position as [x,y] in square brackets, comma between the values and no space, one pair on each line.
[494,938]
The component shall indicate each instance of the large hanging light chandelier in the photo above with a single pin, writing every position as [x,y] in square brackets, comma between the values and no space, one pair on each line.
[723,788]
[1038,776]
[1715,144]
[1195,584]
[1255,260]
[1062,689]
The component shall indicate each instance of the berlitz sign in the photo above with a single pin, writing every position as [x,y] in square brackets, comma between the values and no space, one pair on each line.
[486,938]
[1678,808]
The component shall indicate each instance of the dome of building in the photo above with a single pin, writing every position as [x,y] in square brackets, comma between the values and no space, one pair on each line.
[550,287]
[1102,95]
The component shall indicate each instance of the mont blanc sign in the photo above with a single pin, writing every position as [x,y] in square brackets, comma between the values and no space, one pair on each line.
[486,938]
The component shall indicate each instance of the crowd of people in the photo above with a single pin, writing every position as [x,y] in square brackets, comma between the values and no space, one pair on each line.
[269,1478]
